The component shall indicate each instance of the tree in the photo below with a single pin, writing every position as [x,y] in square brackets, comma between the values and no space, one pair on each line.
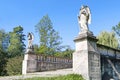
[3,36]
[19,31]
[108,39]
[36,48]
[68,53]
[17,45]
[116,29]
[14,47]
[3,53]
[3,62]
[49,39]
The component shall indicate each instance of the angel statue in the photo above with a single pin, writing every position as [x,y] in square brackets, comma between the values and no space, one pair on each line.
[30,40]
[84,18]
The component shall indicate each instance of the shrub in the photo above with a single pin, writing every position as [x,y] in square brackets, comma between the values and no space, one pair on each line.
[14,65]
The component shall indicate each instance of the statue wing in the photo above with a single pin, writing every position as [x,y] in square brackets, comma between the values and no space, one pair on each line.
[32,36]
[89,18]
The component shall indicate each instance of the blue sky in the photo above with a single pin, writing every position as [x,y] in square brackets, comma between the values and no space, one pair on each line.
[63,14]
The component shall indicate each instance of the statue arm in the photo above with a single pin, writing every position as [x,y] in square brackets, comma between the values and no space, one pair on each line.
[79,16]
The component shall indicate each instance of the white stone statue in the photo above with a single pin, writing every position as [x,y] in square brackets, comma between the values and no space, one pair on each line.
[84,18]
[30,40]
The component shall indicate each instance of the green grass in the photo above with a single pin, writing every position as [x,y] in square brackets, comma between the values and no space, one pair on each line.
[67,77]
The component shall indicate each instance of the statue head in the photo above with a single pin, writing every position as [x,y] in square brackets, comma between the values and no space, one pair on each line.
[83,6]
[84,10]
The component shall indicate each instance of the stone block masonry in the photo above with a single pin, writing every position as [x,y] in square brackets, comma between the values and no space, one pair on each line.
[86,59]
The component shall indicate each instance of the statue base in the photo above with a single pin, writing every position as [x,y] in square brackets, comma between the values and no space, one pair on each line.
[86,59]
[30,50]
[29,59]
[87,33]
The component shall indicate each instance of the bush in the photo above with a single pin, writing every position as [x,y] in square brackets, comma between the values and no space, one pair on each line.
[14,65]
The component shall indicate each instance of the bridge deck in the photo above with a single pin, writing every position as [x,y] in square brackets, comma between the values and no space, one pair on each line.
[40,74]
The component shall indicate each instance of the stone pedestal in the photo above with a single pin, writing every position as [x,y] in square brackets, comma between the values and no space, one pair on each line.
[86,59]
[29,63]
[25,64]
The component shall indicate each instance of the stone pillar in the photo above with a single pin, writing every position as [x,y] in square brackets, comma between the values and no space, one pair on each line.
[29,63]
[24,64]
[86,59]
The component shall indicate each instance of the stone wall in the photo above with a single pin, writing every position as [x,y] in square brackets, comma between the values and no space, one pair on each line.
[110,62]
[35,63]
[94,68]
[46,63]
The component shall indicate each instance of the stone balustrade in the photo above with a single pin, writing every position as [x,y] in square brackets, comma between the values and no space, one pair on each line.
[35,63]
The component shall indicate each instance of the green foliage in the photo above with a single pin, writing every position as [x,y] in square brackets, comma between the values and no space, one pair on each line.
[49,38]
[3,60]
[16,42]
[108,39]
[4,38]
[14,47]
[36,48]
[43,50]
[67,53]
[3,35]
[67,77]
[9,63]
[116,29]
[19,31]
[14,65]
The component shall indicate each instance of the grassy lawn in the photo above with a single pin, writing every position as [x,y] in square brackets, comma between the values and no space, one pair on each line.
[67,77]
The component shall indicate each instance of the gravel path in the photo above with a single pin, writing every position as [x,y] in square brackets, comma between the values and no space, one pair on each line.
[40,74]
